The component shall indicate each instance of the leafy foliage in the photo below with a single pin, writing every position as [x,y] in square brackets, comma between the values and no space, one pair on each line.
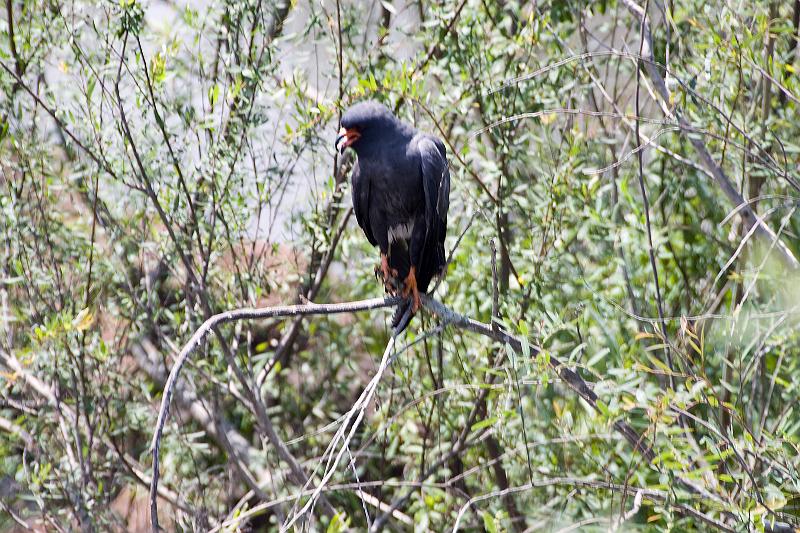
[162,163]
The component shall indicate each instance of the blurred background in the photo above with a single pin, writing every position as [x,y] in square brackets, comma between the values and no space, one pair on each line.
[634,163]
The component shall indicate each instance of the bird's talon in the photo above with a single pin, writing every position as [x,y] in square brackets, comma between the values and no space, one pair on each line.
[385,268]
[417,302]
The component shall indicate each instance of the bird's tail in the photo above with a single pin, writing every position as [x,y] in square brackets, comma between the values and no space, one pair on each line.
[433,265]
[400,261]
[403,314]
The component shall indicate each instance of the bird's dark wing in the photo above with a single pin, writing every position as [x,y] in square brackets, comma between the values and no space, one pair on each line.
[361,198]
[436,184]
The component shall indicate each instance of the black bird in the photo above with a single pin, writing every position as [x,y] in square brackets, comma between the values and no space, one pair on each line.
[401,190]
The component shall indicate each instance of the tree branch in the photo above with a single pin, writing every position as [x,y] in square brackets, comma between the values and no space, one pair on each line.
[447,315]
[19,66]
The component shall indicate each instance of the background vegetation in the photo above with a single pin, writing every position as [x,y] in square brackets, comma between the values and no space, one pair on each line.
[165,161]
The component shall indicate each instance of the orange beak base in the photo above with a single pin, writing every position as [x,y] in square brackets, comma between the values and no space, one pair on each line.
[346,138]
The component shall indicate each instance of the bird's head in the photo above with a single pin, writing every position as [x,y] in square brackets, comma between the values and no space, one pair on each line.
[362,122]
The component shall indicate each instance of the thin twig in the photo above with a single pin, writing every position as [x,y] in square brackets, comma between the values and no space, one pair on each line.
[359,407]
[495,291]
[646,206]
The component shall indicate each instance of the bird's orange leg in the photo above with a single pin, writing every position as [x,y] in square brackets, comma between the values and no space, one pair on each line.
[388,274]
[410,288]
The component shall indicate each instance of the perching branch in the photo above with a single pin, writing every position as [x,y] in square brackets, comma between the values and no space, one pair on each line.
[447,315]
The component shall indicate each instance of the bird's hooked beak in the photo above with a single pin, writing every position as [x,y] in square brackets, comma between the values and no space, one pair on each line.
[346,138]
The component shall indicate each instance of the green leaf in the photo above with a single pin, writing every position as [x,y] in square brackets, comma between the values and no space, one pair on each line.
[489,523]
[338,523]
[512,355]
[486,422]
[213,95]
